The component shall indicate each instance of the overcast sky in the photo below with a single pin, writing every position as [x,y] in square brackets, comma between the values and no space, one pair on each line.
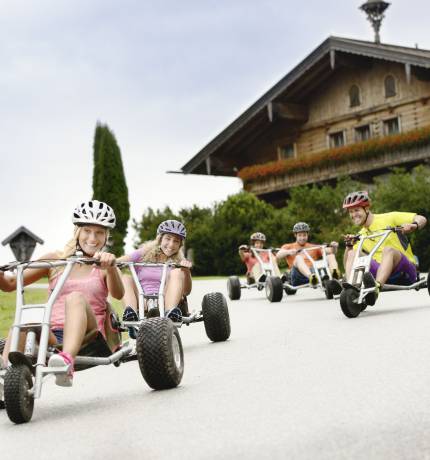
[165,76]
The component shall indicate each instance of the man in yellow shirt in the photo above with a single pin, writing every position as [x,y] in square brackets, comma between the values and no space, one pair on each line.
[394,261]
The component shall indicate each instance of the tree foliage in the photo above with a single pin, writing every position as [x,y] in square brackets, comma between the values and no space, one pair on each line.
[215,234]
[109,184]
[408,192]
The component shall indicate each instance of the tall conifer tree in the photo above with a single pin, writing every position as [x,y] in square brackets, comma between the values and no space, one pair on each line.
[109,184]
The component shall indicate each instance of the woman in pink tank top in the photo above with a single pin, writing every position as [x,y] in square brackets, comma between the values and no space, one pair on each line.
[81,304]
[167,247]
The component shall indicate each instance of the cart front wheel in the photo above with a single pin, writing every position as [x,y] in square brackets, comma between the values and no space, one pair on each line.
[348,303]
[274,289]
[160,353]
[216,317]
[18,400]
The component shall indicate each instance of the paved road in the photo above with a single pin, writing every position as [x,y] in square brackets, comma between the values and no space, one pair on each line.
[297,380]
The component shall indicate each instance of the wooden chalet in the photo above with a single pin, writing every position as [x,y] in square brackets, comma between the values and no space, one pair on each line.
[351,107]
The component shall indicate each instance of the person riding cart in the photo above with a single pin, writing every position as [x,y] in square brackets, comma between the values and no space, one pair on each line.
[166,247]
[393,262]
[82,305]
[262,270]
[301,269]
[76,328]
[160,282]
[254,270]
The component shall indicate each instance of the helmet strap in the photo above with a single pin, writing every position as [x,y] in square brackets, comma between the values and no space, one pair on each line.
[367,216]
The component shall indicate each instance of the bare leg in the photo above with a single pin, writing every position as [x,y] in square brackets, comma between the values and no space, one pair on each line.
[79,320]
[277,272]
[348,261]
[390,259]
[256,271]
[175,288]
[300,264]
[130,292]
[332,262]
[188,284]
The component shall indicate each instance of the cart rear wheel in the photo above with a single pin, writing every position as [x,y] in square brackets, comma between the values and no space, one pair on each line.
[160,353]
[19,402]
[216,317]
[327,289]
[332,288]
[233,288]
[274,289]
[290,291]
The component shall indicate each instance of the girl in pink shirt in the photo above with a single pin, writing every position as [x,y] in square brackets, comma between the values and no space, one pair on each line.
[167,247]
[81,305]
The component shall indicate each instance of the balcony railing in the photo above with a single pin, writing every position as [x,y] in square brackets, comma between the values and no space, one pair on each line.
[374,154]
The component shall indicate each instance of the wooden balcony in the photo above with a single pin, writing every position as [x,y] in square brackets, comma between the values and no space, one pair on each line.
[357,168]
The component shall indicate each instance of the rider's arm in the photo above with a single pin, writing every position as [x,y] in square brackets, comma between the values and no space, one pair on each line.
[133,256]
[31,275]
[243,253]
[114,283]
[419,222]
[113,275]
[124,258]
[349,247]
[413,223]
[186,268]
[282,253]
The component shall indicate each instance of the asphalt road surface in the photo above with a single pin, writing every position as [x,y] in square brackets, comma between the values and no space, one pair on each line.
[296,380]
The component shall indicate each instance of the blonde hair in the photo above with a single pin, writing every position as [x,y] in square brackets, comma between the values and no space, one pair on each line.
[152,252]
[70,249]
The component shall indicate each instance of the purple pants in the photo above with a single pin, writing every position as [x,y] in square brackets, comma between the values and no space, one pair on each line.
[405,273]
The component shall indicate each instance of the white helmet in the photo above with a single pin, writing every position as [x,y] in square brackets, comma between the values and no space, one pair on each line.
[94,212]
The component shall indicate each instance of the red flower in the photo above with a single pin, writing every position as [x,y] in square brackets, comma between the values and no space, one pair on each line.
[363,150]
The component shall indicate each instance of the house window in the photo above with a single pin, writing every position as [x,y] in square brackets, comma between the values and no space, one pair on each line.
[337,139]
[362,133]
[287,151]
[390,86]
[391,126]
[354,96]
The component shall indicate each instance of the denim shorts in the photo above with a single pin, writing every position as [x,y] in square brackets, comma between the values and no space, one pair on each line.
[297,278]
[58,334]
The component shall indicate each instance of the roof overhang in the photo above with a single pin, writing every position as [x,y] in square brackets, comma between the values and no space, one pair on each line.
[305,77]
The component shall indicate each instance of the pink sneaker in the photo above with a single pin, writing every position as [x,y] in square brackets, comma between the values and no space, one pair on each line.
[61,360]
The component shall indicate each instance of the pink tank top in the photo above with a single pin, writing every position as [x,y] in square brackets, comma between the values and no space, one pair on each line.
[93,288]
